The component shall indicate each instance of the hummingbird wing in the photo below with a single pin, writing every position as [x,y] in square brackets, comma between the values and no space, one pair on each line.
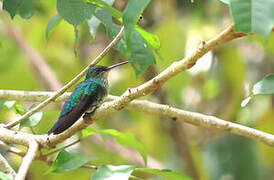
[84,96]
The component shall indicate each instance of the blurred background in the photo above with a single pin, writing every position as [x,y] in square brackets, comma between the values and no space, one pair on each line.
[216,85]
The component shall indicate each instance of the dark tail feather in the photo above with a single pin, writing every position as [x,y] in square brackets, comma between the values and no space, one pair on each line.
[62,124]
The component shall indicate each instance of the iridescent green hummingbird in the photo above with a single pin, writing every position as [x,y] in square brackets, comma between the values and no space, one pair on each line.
[86,97]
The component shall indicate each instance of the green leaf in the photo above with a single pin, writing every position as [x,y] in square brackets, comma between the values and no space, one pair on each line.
[5,176]
[11,6]
[74,11]
[140,57]
[131,16]
[109,172]
[19,109]
[115,13]
[264,86]
[256,16]
[66,161]
[9,104]
[32,120]
[169,174]
[125,139]
[152,39]
[52,24]
[93,22]
[25,8]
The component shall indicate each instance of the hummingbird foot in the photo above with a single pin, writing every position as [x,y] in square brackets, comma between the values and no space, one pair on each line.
[87,118]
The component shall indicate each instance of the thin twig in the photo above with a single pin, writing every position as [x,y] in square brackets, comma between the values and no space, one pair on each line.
[27,160]
[10,149]
[68,85]
[64,147]
[5,167]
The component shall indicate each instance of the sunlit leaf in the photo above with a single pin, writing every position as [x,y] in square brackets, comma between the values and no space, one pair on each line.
[166,173]
[264,86]
[9,104]
[140,56]
[131,15]
[115,13]
[4,176]
[109,172]
[253,16]
[125,139]
[66,161]
[32,120]
[152,39]
[52,24]
[94,22]
[19,109]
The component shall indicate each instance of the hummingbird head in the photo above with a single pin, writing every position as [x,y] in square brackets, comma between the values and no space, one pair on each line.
[100,72]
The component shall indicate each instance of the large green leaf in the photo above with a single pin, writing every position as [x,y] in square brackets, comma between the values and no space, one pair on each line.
[152,39]
[109,172]
[125,139]
[94,22]
[131,15]
[166,173]
[25,8]
[55,20]
[74,11]
[140,56]
[66,161]
[255,16]
[264,86]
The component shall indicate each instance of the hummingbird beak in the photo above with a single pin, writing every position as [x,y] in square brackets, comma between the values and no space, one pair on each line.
[116,65]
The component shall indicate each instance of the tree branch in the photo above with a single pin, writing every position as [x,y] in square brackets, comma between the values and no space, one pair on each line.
[13,150]
[148,107]
[27,160]
[174,69]
[68,85]
[5,167]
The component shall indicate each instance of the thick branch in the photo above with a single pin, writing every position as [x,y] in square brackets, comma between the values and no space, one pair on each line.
[68,85]
[174,69]
[197,119]
[201,120]
[5,167]
[27,160]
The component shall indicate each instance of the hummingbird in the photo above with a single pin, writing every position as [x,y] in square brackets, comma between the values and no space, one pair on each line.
[86,97]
